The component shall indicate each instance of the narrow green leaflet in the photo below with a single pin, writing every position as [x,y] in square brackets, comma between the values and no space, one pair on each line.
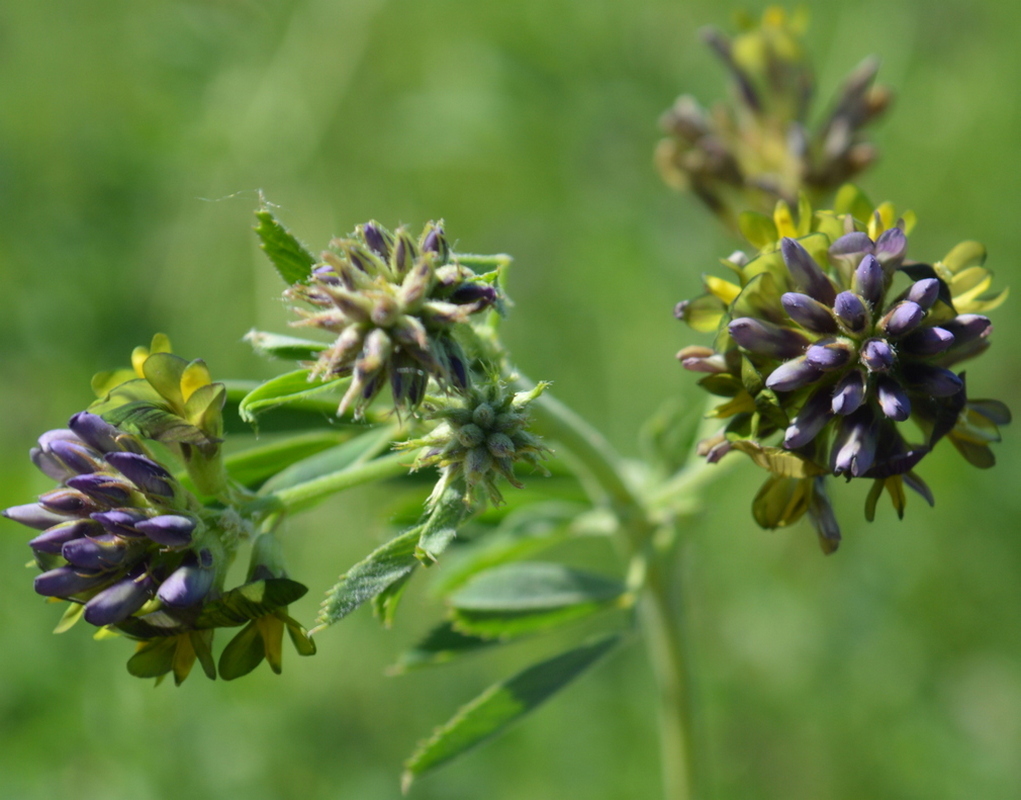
[351,453]
[290,257]
[286,348]
[282,390]
[502,704]
[378,571]
[442,644]
[528,597]
[253,466]
[317,411]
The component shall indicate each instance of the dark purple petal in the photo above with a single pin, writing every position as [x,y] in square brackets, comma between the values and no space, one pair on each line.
[50,465]
[806,274]
[924,292]
[870,281]
[102,488]
[188,584]
[903,318]
[968,327]
[121,522]
[855,243]
[169,530]
[434,242]
[145,473]
[793,375]
[934,381]
[77,456]
[893,399]
[52,540]
[65,581]
[808,312]
[95,431]
[919,486]
[375,240]
[34,515]
[854,446]
[849,393]
[767,339]
[95,553]
[829,356]
[927,341]
[118,602]
[478,292]
[811,419]
[851,311]
[877,355]
[891,246]
[66,501]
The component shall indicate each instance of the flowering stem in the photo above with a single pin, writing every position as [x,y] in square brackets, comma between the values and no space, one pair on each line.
[661,611]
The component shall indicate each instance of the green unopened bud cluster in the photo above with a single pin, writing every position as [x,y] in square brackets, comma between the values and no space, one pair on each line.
[394,304]
[480,437]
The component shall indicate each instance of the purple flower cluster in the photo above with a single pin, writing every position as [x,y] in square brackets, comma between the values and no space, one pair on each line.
[117,532]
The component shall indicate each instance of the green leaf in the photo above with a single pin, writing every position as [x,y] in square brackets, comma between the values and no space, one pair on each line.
[369,577]
[502,704]
[255,465]
[351,453]
[442,644]
[153,658]
[758,229]
[243,653]
[290,257]
[521,598]
[446,515]
[301,415]
[283,390]
[286,348]
[71,615]
[852,200]
[781,501]
[384,604]
[250,601]
[519,535]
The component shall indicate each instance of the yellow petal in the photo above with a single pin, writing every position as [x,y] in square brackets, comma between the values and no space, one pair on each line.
[965,254]
[195,376]
[725,290]
[784,220]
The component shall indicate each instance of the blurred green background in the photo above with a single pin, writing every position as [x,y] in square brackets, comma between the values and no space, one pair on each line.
[133,140]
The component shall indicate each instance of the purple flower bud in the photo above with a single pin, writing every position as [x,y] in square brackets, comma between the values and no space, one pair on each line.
[95,553]
[767,339]
[854,447]
[808,312]
[169,530]
[702,359]
[934,381]
[77,456]
[474,293]
[811,419]
[927,341]
[145,473]
[34,515]
[891,246]
[924,292]
[718,451]
[680,308]
[47,440]
[968,327]
[66,501]
[877,355]
[893,399]
[121,522]
[102,488]
[870,281]
[806,274]
[847,252]
[118,602]
[66,581]
[828,356]
[50,465]
[434,242]
[793,375]
[851,311]
[95,431]
[849,393]
[189,583]
[903,318]
[375,240]
[52,540]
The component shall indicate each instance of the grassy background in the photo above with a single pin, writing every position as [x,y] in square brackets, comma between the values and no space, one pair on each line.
[133,140]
